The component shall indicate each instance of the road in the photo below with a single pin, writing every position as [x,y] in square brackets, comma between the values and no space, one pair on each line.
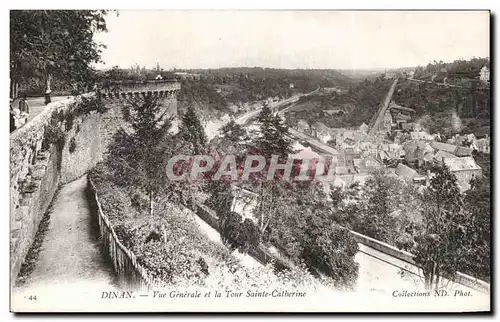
[247,117]
[70,255]
[37,105]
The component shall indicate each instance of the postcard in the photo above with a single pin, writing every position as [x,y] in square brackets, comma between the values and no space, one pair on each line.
[250,161]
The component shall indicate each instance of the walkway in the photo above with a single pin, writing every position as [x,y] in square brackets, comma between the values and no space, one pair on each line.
[70,255]
[37,105]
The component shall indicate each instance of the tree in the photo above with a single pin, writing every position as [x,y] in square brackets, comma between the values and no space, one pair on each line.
[192,131]
[272,140]
[55,43]
[307,233]
[377,209]
[138,159]
[440,244]
[478,203]
[273,137]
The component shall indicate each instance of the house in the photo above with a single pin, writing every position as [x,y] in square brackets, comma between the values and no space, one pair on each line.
[484,75]
[321,132]
[459,151]
[302,126]
[420,135]
[483,145]
[363,128]
[408,126]
[418,152]
[464,169]
[368,165]
[463,151]
[439,155]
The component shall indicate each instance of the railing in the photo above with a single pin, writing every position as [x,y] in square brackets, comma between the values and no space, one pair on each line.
[260,253]
[129,271]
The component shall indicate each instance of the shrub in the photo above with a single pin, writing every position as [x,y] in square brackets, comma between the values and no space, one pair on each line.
[230,226]
[248,236]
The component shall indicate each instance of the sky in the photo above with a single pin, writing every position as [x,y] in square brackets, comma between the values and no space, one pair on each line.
[292,39]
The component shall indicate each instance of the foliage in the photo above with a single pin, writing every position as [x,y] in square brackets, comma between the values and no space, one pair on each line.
[273,137]
[441,243]
[192,131]
[477,259]
[306,232]
[230,226]
[139,159]
[59,43]
[202,95]
[220,198]
[383,208]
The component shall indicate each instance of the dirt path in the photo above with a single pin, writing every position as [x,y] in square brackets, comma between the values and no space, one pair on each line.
[70,254]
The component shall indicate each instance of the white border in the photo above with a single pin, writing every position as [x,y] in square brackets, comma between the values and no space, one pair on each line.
[191,4]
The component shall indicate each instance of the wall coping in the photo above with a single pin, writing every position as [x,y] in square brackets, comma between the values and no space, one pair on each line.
[405,256]
[41,119]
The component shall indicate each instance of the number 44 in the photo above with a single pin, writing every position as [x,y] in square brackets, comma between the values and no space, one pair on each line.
[32,297]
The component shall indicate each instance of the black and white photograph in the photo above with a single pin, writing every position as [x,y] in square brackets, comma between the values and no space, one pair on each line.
[250,161]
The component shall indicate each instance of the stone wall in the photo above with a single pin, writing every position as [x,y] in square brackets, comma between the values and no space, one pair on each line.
[37,170]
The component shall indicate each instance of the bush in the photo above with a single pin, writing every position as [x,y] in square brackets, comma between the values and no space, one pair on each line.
[248,236]
[230,226]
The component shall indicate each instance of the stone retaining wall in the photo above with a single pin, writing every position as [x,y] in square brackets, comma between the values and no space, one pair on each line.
[36,171]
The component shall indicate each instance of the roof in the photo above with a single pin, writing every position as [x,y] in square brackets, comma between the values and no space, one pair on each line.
[302,123]
[405,172]
[443,154]
[306,153]
[463,151]
[320,126]
[393,105]
[450,148]
[461,164]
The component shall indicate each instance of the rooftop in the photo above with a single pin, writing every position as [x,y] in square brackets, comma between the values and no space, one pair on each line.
[461,164]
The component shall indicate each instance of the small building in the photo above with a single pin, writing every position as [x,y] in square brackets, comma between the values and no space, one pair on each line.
[459,151]
[302,126]
[484,75]
[439,155]
[418,152]
[464,169]
[483,145]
